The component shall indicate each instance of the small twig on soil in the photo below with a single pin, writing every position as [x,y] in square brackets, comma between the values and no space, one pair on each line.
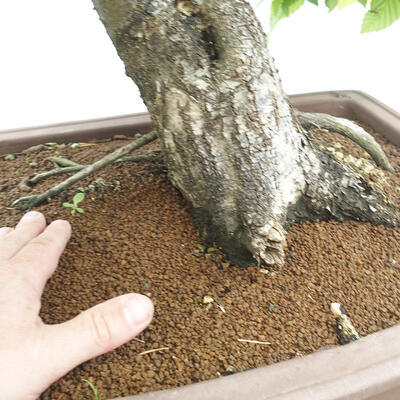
[153,350]
[345,330]
[221,307]
[28,202]
[139,340]
[348,129]
[253,341]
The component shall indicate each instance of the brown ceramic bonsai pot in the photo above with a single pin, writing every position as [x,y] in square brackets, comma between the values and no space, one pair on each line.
[366,369]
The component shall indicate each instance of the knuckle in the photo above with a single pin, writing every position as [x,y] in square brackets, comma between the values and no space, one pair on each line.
[43,244]
[101,329]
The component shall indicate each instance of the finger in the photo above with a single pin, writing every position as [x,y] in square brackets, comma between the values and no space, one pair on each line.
[38,259]
[97,331]
[30,225]
[4,231]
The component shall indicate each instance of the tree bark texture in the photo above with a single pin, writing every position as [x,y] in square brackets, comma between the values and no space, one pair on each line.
[231,141]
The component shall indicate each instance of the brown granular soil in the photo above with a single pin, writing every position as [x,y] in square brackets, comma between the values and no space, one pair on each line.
[136,235]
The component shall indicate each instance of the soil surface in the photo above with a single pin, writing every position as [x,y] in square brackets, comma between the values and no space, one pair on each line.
[136,235]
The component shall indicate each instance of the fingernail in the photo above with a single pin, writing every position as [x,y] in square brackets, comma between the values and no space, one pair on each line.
[31,215]
[60,222]
[5,230]
[138,310]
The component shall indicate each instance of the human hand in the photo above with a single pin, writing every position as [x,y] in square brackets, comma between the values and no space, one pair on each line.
[34,355]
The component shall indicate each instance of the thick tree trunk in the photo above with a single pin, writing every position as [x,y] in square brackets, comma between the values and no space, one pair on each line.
[231,141]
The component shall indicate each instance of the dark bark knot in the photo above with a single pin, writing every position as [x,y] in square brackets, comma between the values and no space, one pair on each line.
[198,28]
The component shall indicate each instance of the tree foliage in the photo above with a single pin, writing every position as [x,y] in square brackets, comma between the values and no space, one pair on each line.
[379,15]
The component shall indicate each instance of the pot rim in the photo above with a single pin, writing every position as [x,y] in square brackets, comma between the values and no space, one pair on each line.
[345,103]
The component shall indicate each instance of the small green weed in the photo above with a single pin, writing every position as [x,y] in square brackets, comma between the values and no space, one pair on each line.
[10,157]
[32,164]
[51,145]
[75,201]
[94,389]
[149,291]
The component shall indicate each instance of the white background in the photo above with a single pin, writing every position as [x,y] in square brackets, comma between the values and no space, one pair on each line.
[57,63]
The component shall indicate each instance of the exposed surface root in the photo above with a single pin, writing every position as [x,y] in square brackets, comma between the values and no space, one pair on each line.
[154,157]
[57,171]
[345,330]
[62,162]
[269,244]
[348,129]
[28,202]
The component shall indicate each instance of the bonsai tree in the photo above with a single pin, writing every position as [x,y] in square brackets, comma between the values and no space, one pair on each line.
[233,145]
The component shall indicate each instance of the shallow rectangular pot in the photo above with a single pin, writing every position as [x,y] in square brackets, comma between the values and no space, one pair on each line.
[366,369]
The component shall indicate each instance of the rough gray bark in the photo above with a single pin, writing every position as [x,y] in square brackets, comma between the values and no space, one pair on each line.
[231,141]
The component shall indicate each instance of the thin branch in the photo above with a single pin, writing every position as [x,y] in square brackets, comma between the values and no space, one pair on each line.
[25,203]
[350,130]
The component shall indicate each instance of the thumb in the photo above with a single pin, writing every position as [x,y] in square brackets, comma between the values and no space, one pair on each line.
[96,331]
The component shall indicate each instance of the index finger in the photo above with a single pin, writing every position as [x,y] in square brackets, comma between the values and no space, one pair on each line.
[29,226]
[38,259]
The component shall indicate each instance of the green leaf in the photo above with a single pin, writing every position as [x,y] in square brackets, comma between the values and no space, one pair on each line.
[381,15]
[81,210]
[345,3]
[78,198]
[283,8]
[315,2]
[291,6]
[331,4]
[276,13]
[73,211]
[363,2]
[68,205]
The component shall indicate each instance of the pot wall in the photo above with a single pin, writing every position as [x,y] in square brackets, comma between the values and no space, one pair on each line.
[348,104]
[366,369]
